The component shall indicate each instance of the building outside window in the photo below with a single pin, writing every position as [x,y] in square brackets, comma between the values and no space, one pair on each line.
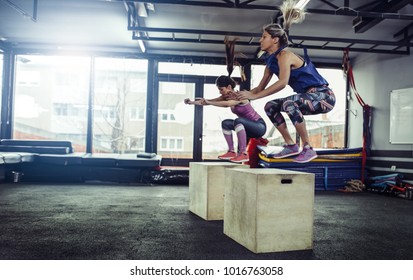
[119,105]
[325,130]
[51,98]
[1,75]
[171,144]
[52,102]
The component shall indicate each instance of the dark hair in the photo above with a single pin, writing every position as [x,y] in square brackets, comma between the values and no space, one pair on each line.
[224,81]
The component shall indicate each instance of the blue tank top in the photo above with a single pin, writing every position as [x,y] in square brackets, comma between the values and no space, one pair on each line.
[301,78]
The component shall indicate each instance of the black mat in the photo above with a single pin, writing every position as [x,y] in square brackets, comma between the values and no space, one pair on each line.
[132,222]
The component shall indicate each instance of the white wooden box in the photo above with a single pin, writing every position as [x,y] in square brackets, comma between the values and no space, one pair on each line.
[206,188]
[270,210]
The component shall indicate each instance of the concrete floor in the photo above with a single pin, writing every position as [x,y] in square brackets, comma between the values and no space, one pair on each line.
[134,222]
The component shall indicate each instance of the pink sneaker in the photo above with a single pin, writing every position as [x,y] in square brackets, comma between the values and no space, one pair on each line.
[240,158]
[289,150]
[306,155]
[228,155]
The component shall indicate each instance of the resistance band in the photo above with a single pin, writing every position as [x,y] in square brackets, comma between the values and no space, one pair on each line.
[367,111]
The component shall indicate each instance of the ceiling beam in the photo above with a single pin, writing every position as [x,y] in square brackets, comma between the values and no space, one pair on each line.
[248,38]
[257,35]
[364,23]
[323,43]
[32,16]
[354,13]
[194,31]
[4,46]
[350,47]
[345,11]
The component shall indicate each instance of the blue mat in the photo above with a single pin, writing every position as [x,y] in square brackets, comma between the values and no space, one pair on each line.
[332,169]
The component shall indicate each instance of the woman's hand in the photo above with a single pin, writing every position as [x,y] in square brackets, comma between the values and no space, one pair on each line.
[242,95]
[197,101]
[205,102]
[200,101]
[232,95]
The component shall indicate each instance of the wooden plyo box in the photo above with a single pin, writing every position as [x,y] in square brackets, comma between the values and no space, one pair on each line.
[206,188]
[270,210]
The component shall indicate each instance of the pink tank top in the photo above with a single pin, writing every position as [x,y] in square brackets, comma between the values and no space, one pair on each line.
[245,111]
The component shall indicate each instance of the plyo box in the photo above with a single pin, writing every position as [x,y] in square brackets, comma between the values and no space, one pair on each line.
[269,210]
[207,187]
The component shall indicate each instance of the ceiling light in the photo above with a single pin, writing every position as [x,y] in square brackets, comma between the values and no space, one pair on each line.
[142,10]
[150,7]
[142,46]
[301,4]
[140,42]
[357,21]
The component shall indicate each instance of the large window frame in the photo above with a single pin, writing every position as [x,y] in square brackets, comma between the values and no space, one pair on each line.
[148,141]
[1,76]
[50,99]
[316,135]
[324,131]
[119,90]
[51,89]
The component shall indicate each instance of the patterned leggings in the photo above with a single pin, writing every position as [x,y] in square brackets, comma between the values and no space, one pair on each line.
[254,129]
[315,101]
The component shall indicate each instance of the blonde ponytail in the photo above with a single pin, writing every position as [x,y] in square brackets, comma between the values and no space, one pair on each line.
[291,13]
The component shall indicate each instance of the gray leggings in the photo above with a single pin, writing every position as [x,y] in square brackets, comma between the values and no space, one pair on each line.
[254,129]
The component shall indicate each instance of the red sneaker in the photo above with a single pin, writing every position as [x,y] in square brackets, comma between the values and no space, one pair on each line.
[228,155]
[240,158]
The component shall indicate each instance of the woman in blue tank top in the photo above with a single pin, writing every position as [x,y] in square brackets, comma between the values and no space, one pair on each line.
[313,96]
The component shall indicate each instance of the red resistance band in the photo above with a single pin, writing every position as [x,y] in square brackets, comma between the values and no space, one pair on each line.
[367,111]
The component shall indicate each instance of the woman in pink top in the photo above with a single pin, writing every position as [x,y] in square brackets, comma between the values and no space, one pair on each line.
[248,123]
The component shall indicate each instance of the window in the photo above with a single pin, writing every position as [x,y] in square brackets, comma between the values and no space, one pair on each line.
[52,101]
[175,120]
[167,116]
[213,141]
[1,74]
[119,100]
[51,97]
[68,110]
[137,114]
[325,130]
[196,69]
[137,143]
[171,144]
[60,109]
[28,79]
[172,88]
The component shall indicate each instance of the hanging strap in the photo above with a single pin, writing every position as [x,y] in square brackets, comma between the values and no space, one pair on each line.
[349,72]
[367,111]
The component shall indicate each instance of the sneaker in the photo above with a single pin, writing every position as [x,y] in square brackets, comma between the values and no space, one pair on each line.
[240,158]
[228,155]
[306,155]
[289,150]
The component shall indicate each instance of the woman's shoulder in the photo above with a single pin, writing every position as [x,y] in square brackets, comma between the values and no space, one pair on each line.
[286,52]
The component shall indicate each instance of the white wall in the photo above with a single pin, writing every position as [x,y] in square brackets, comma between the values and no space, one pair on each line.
[376,75]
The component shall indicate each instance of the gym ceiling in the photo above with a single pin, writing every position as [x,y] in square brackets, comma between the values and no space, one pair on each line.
[198,28]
